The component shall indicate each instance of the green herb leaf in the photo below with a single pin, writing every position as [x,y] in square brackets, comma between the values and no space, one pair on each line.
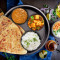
[30,41]
[45,6]
[32,19]
[25,41]
[37,27]
[53,31]
[54,12]
[56,33]
[32,27]
[32,16]
[58,30]
[28,44]
[31,22]
[42,21]
[34,39]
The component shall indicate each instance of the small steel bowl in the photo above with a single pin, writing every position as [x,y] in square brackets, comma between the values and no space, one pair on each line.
[24,34]
[53,33]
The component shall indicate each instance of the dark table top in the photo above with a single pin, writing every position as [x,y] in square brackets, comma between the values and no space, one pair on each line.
[3,5]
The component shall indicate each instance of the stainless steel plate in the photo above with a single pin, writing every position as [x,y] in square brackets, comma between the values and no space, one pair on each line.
[43,33]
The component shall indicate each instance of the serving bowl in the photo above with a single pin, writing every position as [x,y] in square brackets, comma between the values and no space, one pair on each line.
[52,31]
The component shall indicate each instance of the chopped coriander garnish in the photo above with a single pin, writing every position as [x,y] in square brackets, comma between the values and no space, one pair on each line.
[25,41]
[45,6]
[42,21]
[58,30]
[31,22]
[33,28]
[37,27]
[34,39]
[30,41]
[53,31]
[28,44]
[32,17]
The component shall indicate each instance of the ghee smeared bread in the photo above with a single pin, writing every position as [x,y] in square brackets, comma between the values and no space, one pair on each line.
[10,36]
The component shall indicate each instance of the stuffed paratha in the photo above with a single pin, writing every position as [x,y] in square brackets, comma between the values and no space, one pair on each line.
[10,35]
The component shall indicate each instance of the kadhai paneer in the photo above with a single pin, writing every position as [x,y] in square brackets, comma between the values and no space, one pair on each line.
[36,22]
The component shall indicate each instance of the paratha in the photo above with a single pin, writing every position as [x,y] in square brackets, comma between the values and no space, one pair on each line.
[10,36]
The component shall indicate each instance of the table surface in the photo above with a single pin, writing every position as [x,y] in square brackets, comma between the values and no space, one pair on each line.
[39,4]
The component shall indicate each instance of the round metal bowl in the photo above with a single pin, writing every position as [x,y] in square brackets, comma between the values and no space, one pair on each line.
[53,33]
[43,33]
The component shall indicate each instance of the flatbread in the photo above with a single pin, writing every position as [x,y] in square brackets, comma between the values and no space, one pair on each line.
[10,36]
[22,31]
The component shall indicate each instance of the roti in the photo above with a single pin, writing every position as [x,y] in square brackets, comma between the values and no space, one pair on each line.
[10,36]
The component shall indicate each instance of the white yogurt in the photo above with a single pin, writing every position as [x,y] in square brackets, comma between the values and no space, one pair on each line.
[30,41]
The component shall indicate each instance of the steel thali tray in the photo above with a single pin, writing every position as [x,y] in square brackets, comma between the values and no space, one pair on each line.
[43,33]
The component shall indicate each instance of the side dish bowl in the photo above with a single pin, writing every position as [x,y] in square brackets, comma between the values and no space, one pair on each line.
[56,32]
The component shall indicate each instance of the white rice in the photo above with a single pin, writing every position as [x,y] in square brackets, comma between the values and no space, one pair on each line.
[32,39]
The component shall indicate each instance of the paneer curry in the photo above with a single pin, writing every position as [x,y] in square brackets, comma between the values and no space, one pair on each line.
[36,22]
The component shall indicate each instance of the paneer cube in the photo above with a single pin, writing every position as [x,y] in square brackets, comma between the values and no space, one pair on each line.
[32,24]
[36,16]
[39,23]
[35,21]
